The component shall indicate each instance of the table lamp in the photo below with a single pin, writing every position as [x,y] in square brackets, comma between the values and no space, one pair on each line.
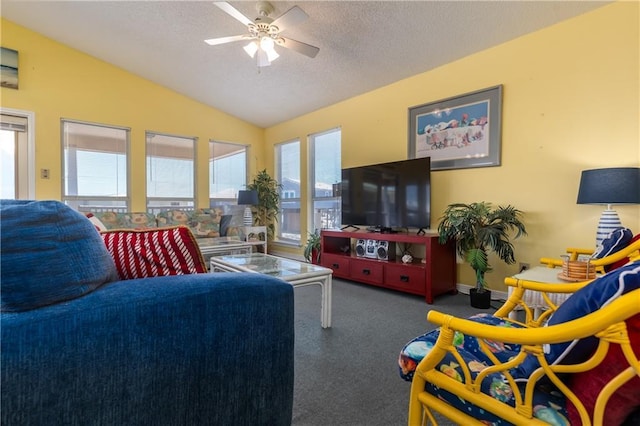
[248,198]
[618,185]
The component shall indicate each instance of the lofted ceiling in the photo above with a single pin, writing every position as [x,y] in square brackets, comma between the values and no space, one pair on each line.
[363,44]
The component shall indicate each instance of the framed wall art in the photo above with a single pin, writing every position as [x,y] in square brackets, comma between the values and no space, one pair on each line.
[459,132]
[8,68]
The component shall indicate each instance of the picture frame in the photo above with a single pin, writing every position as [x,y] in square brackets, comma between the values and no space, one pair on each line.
[8,68]
[458,132]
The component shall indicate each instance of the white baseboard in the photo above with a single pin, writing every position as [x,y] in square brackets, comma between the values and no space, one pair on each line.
[495,294]
[462,288]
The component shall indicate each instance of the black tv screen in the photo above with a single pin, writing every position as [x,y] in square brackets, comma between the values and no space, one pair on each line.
[388,195]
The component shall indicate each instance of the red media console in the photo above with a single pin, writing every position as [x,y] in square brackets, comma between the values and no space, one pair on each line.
[376,259]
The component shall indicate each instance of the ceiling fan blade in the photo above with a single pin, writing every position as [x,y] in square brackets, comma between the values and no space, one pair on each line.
[291,17]
[298,46]
[226,7]
[222,40]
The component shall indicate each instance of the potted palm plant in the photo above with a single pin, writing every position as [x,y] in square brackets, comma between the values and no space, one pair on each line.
[312,248]
[266,212]
[477,229]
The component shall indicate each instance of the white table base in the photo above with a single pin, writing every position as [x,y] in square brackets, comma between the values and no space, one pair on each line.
[314,275]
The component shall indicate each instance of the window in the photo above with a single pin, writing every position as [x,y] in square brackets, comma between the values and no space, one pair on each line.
[227,172]
[95,166]
[288,175]
[170,172]
[17,180]
[326,175]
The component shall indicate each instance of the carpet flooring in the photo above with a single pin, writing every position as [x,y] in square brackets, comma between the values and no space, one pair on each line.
[348,374]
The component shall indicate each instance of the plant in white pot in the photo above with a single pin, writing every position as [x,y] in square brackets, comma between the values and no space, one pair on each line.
[477,229]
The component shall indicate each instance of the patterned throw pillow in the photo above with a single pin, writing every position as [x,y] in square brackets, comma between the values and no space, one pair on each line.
[152,253]
[615,241]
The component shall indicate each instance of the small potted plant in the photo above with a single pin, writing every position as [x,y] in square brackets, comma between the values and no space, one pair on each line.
[477,228]
[312,248]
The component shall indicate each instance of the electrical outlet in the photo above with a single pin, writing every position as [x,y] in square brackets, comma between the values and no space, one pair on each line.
[524,267]
[44,173]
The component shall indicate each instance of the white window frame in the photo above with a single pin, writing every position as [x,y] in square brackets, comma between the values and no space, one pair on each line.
[278,172]
[312,220]
[238,147]
[26,169]
[122,203]
[164,203]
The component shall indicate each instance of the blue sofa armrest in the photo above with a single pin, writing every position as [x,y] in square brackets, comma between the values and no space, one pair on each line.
[212,349]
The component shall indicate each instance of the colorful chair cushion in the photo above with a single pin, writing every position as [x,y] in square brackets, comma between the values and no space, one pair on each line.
[549,405]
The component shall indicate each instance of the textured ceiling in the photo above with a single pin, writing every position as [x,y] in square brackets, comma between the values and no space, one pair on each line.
[363,44]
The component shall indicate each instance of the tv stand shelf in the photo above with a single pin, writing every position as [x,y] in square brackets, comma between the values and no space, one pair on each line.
[431,273]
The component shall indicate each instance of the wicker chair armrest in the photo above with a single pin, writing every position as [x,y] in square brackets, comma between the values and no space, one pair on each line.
[631,251]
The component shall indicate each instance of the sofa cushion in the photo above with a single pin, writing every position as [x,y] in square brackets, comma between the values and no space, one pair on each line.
[595,295]
[50,253]
[152,253]
[206,222]
[96,222]
[128,220]
[174,218]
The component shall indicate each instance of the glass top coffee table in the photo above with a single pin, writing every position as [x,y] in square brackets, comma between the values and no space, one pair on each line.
[296,273]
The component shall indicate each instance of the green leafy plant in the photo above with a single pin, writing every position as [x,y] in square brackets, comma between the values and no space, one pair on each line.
[477,229]
[266,212]
[313,244]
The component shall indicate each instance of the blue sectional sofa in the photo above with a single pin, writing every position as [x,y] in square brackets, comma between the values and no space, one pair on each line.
[80,347]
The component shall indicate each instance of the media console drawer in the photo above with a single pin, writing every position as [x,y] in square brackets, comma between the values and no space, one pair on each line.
[367,270]
[339,264]
[401,277]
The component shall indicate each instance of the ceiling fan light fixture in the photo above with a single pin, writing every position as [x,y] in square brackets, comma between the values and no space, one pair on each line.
[272,55]
[266,43]
[251,49]
[263,59]
[264,32]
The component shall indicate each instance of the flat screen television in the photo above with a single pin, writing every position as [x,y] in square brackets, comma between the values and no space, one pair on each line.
[388,196]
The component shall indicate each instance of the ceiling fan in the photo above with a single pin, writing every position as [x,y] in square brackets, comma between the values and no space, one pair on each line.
[264,32]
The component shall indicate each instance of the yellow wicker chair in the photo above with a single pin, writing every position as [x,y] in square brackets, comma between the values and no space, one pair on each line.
[631,251]
[432,375]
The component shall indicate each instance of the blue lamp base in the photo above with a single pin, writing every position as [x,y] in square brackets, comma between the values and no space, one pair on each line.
[609,222]
[248,217]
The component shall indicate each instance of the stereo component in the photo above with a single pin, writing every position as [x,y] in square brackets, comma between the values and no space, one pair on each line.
[371,249]
[386,250]
[361,247]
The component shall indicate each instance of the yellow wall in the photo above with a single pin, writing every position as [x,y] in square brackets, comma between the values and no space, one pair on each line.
[570,102]
[58,82]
